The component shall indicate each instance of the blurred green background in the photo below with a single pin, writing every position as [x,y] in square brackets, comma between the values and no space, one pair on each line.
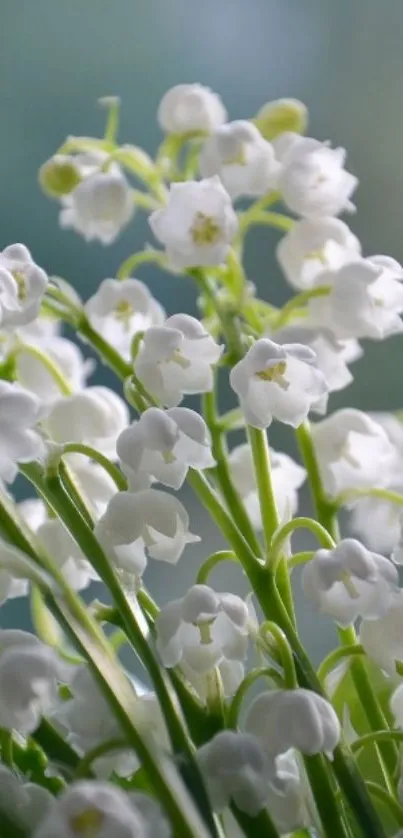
[343,59]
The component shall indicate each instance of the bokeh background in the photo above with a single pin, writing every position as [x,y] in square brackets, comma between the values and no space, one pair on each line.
[343,59]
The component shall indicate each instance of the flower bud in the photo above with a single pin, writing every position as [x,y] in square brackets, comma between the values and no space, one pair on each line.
[59,176]
[281,115]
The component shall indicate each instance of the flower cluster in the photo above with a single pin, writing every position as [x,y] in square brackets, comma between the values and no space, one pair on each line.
[229,729]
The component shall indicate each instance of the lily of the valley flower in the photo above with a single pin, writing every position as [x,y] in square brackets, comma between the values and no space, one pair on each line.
[365,299]
[34,375]
[198,224]
[287,477]
[148,520]
[22,286]
[278,382]
[349,582]
[20,411]
[313,182]
[202,628]
[29,671]
[236,769]
[176,359]
[382,639]
[187,108]
[311,246]
[243,159]
[163,445]
[102,810]
[332,355]
[301,719]
[95,416]
[26,803]
[120,309]
[354,452]
[100,206]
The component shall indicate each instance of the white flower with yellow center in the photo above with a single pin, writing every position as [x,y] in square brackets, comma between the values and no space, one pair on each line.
[278,382]
[243,159]
[22,286]
[198,224]
[311,246]
[120,309]
[176,359]
[349,582]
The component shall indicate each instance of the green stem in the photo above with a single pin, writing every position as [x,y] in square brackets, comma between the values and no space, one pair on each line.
[329,663]
[390,802]
[260,826]
[326,510]
[6,743]
[268,511]
[325,796]
[300,558]
[383,494]
[143,257]
[51,366]
[114,472]
[70,485]
[283,532]
[377,736]
[105,350]
[266,219]
[283,646]
[296,303]
[211,562]
[223,476]
[112,103]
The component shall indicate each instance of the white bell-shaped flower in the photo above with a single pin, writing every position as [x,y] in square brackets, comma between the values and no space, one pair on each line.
[163,445]
[29,671]
[396,706]
[25,803]
[301,719]
[100,206]
[349,582]
[354,452]
[16,571]
[243,159]
[176,359]
[65,552]
[365,299]
[198,224]
[230,672]
[22,286]
[311,246]
[95,416]
[278,382]
[287,477]
[102,810]
[382,639]
[186,108]
[120,309]
[313,182]
[202,628]
[332,355]
[20,411]
[148,520]
[93,482]
[237,769]
[288,795]
[34,375]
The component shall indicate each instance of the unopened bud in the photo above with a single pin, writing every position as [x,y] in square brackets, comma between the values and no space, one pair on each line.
[281,115]
[59,176]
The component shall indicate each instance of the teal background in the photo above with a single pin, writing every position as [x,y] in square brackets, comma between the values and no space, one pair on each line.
[343,59]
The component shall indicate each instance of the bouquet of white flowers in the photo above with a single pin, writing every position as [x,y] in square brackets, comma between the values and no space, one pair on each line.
[86,751]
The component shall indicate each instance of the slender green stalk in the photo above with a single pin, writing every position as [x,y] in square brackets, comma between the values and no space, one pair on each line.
[6,744]
[283,533]
[326,802]
[326,510]
[105,350]
[266,219]
[143,257]
[260,826]
[395,809]
[51,366]
[295,305]
[114,472]
[222,474]
[382,494]
[329,663]
[211,562]
[377,736]
[283,647]
[300,558]
[70,485]
[248,682]
[111,746]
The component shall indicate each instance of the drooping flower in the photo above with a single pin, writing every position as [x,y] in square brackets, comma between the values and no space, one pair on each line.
[176,359]
[243,159]
[349,582]
[236,769]
[202,629]
[354,452]
[278,382]
[20,411]
[102,810]
[29,671]
[313,181]
[333,355]
[67,356]
[163,445]
[26,803]
[311,246]
[120,309]
[382,639]
[287,477]
[198,224]
[147,520]
[95,416]
[22,286]
[300,718]
[187,108]
[100,206]
[365,299]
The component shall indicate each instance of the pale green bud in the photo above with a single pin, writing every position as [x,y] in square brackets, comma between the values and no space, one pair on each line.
[59,176]
[281,115]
